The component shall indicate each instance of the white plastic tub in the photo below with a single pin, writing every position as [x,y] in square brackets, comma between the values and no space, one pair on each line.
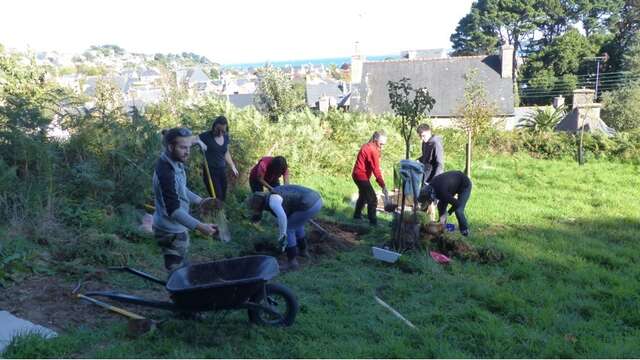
[385,255]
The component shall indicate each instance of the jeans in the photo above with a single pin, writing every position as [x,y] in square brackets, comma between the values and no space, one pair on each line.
[297,220]
[366,195]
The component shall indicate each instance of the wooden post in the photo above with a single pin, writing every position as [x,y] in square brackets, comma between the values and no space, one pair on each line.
[467,169]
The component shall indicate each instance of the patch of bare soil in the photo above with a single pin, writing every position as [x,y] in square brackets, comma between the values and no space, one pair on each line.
[461,249]
[332,239]
[335,238]
[48,301]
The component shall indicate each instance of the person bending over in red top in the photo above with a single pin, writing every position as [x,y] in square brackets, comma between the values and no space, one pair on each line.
[368,162]
[267,173]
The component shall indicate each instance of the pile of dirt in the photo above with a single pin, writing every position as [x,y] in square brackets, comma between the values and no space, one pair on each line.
[332,239]
[462,250]
[335,238]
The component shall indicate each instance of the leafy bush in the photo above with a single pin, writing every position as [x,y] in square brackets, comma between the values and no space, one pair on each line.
[622,108]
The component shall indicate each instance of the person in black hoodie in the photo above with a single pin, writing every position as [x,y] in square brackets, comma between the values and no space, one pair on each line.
[432,152]
[443,188]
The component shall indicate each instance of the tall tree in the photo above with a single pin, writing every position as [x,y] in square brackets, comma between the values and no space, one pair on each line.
[597,15]
[508,21]
[474,35]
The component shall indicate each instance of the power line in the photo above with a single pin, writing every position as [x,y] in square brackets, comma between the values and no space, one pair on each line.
[562,79]
[562,92]
[559,86]
[618,73]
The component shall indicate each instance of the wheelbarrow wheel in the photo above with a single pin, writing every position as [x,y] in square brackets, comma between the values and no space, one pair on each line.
[279,299]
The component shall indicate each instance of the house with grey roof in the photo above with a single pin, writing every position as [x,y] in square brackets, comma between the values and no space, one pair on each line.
[443,77]
[241,100]
[150,76]
[322,94]
[194,79]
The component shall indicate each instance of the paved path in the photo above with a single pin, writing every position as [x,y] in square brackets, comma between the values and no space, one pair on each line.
[11,326]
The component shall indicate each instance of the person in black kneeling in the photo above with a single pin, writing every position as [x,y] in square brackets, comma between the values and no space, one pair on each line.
[443,188]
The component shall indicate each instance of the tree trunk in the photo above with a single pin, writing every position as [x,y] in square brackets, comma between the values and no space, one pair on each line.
[407,146]
[467,169]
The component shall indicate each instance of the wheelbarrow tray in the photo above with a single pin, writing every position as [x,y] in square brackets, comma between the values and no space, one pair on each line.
[220,284]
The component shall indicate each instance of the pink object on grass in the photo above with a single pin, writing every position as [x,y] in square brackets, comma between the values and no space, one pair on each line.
[439,258]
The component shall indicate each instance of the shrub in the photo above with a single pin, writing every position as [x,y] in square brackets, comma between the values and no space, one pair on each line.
[622,108]
[542,119]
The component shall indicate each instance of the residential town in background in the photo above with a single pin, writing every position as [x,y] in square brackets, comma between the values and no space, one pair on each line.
[357,84]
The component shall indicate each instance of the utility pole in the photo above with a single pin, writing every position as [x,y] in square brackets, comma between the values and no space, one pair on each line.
[598,59]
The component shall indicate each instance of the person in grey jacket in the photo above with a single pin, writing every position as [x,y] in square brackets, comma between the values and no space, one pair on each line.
[432,153]
[293,206]
[171,219]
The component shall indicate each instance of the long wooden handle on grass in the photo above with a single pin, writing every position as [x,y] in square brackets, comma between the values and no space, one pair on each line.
[109,307]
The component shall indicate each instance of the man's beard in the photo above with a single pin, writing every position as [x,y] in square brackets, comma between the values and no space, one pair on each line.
[176,157]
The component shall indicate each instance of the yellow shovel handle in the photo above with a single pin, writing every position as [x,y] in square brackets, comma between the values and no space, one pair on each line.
[118,310]
[206,171]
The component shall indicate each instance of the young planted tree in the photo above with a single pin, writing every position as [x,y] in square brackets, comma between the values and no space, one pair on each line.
[475,114]
[410,106]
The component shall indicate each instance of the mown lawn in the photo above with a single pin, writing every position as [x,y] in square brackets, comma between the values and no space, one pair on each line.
[569,285]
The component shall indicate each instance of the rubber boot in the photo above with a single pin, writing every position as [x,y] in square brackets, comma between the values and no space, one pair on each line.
[172,262]
[303,248]
[292,262]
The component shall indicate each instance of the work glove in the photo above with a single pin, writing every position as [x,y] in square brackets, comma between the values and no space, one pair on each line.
[282,241]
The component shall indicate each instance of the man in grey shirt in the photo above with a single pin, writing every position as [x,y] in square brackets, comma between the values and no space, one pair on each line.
[171,219]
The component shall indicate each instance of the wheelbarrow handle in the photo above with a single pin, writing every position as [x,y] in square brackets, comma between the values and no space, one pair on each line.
[138,273]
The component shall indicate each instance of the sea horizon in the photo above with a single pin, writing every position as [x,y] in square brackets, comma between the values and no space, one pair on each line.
[338,61]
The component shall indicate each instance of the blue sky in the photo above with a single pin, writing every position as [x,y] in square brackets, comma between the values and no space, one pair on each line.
[233,31]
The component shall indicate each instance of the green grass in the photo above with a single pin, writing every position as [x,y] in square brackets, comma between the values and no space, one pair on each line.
[569,285]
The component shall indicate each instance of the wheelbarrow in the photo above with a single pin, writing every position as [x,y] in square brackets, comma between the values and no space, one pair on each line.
[237,283]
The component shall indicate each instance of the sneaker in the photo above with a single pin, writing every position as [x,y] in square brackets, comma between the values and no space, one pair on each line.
[464,232]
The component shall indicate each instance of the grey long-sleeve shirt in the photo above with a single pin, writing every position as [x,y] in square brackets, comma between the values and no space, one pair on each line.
[172,197]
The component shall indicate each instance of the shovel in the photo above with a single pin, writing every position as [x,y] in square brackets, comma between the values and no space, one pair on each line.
[218,211]
[137,324]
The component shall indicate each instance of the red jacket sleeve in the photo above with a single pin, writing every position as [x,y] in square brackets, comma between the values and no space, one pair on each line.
[377,172]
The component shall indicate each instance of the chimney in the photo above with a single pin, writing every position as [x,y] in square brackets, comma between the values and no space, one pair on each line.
[582,97]
[356,65]
[506,55]
[409,54]
[558,101]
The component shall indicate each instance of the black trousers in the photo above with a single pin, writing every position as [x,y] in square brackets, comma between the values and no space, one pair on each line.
[219,180]
[257,185]
[463,197]
[366,195]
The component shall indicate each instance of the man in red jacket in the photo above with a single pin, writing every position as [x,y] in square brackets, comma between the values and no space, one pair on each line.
[368,162]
